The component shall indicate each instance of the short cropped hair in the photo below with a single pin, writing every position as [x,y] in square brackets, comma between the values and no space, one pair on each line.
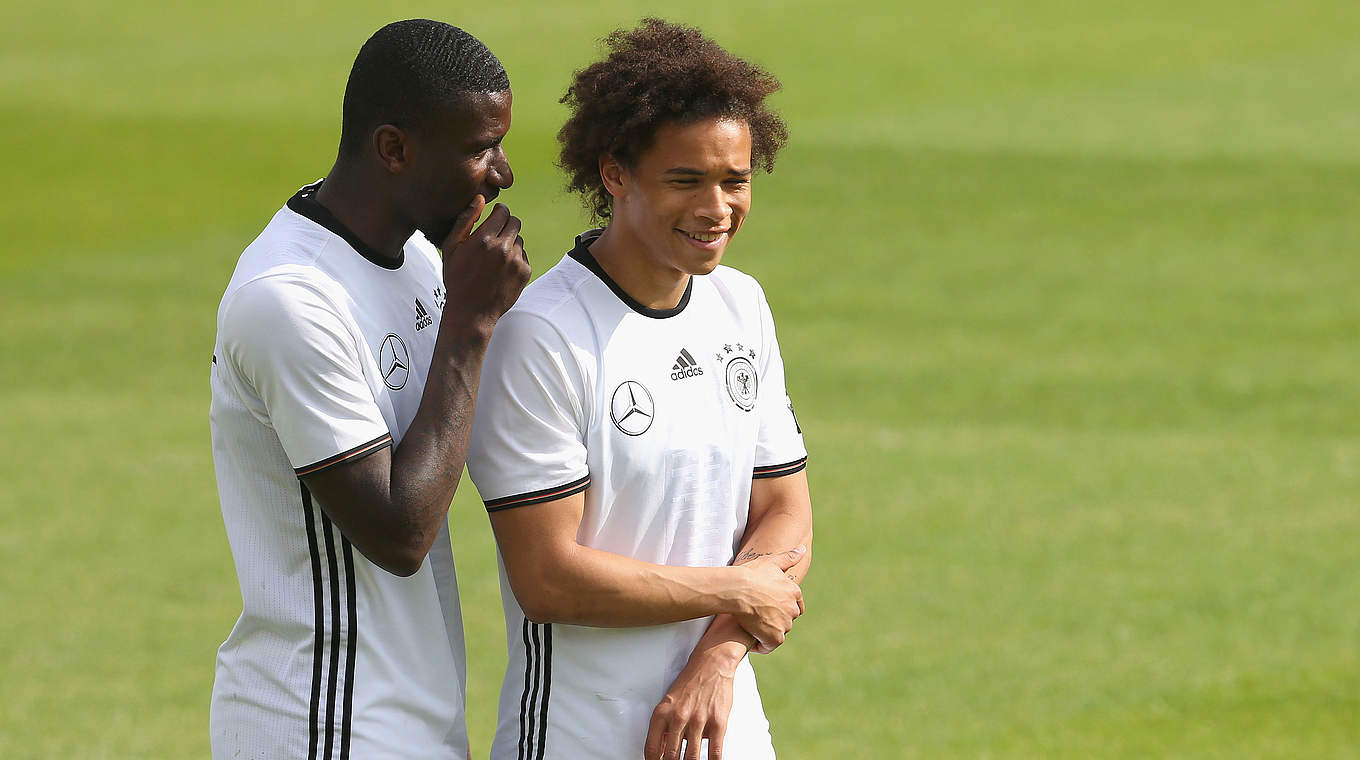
[410,70]
[659,73]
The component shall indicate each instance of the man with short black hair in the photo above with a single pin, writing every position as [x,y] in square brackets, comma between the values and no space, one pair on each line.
[344,375]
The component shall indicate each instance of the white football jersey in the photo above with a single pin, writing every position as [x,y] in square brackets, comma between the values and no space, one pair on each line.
[321,356]
[662,418]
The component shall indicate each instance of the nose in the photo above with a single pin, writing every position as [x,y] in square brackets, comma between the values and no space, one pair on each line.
[713,205]
[500,175]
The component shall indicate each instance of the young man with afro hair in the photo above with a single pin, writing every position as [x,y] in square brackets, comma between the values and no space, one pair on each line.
[634,442]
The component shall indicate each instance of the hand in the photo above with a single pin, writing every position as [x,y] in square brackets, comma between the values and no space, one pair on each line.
[696,707]
[772,600]
[484,269]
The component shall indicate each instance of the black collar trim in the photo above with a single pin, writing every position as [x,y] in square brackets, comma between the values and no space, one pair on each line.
[304,203]
[584,257]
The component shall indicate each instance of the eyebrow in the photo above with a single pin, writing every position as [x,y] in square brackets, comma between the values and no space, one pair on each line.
[686,171]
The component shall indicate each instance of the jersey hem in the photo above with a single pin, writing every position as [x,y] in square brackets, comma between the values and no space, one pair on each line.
[539,496]
[354,454]
[779,470]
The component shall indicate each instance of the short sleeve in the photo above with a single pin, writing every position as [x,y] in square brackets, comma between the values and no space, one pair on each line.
[528,433]
[779,444]
[292,349]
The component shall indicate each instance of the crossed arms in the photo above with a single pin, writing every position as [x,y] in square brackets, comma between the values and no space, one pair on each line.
[754,601]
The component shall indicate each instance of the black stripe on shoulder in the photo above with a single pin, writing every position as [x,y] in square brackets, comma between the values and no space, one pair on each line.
[779,470]
[538,497]
[356,453]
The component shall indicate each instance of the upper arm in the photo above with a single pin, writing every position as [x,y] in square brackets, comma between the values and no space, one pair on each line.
[534,541]
[786,495]
[294,352]
[528,435]
[528,455]
[780,451]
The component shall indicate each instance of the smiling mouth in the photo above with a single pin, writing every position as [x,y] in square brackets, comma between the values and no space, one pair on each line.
[703,237]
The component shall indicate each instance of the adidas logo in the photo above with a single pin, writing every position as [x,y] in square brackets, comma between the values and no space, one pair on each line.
[685,366]
[423,318]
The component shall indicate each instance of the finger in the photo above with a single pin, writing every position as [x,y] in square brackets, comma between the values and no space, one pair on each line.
[519,244]
[462,224]
[511,229]
[771,641]
[671,744]
[717,732]
[694,743]
[791,557]
[656,734]
[495,221]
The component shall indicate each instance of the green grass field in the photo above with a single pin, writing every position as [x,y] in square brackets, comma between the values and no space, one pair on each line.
[1067,293]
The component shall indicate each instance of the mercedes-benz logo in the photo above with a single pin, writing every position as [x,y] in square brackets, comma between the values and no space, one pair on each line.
[394,362]
[631,408]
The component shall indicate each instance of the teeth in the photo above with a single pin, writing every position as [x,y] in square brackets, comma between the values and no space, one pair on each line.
[703,237]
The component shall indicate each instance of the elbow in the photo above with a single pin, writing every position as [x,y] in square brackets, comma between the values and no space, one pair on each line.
[401,561]
[403,568]
[542,597]
[541,604]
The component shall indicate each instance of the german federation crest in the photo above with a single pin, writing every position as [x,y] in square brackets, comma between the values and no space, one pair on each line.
[742,382]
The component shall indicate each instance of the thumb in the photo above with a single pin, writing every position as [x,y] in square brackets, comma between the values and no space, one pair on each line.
[791,557]
[462,225]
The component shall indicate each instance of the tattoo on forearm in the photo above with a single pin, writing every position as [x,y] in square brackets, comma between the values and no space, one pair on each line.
[749,555]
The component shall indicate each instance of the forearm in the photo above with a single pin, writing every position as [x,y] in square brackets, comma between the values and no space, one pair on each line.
[778,531]
[584,586]
[392,504]
[775,527]
[428,465]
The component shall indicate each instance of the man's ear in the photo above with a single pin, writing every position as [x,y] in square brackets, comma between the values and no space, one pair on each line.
[614,175]
[392,146]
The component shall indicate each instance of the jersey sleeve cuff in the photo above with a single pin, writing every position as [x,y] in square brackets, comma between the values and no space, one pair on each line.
[779,470]
[354,454]
[538,497]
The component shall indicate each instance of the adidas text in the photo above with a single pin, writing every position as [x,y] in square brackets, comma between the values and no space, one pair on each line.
[681,374]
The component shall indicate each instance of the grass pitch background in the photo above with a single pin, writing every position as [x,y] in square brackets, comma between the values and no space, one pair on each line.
[1066,290]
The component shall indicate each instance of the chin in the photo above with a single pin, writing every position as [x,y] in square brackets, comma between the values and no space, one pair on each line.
[707,266]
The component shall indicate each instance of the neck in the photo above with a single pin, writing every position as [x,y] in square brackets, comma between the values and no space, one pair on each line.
[348,194]
[628,264]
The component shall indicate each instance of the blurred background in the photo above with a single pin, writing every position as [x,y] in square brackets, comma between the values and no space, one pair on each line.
[1067,294]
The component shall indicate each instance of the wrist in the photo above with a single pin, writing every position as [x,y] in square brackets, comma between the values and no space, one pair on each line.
[733,598]
[460,334]
[722,656]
